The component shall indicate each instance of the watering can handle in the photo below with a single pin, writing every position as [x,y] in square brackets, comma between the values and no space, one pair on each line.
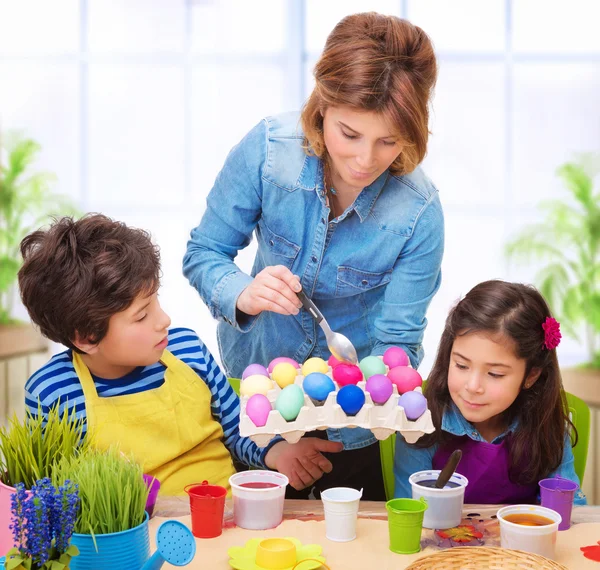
[155,562]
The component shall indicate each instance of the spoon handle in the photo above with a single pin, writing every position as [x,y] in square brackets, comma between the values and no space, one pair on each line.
[310,306]
[448,469]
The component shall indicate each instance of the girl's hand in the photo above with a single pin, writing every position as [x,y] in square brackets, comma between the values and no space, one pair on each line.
[273,289]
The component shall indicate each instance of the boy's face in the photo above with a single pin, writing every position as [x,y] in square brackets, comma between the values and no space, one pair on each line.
[136,336]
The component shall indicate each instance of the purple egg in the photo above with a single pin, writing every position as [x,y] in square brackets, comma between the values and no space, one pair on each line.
[380,387]
[252,369]
[414,404]
[279,359]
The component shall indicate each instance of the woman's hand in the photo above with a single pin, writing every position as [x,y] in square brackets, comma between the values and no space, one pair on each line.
[273,289]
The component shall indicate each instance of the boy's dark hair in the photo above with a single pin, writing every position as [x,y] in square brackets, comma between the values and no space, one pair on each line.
[78,274]
[517,312]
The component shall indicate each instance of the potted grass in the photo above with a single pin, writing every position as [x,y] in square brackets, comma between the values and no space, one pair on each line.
[29,449]
[111,528]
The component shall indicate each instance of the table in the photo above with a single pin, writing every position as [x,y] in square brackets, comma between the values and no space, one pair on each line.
[304,520]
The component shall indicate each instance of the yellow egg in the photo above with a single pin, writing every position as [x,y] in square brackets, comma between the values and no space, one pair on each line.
[284,374]
[255,384]
[314,364]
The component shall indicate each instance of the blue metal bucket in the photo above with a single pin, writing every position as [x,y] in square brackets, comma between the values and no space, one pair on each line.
[127,550]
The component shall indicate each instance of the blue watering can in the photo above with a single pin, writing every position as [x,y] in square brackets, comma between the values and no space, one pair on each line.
[175,544]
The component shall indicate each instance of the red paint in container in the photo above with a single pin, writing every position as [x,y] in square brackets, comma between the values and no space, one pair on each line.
[259,485]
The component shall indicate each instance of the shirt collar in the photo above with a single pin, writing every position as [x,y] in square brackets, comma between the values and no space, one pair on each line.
[455,423]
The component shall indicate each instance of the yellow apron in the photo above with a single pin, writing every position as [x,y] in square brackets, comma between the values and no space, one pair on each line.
[170,430]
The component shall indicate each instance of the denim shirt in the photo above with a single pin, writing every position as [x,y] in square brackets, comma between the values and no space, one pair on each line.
[371,271]
[409,459]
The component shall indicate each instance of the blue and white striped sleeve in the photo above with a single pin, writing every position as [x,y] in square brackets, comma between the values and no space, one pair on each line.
[225,407]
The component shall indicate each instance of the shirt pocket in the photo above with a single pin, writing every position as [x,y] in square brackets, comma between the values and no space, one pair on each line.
[351,281]
[274,249]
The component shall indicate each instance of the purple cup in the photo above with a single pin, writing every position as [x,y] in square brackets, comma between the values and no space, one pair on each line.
[557,493]
[154,486]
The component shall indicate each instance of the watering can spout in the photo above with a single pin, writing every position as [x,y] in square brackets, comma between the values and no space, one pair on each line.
[155,562]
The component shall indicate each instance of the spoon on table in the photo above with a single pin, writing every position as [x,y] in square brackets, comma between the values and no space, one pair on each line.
[338,344]
[448,469]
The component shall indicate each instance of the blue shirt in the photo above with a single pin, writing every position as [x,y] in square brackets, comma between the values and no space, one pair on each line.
[57,380]
[371,271]
[409,459]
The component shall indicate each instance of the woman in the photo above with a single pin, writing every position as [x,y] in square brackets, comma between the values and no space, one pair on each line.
[341,210]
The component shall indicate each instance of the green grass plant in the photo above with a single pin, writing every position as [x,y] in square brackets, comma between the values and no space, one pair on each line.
[30,447]
[112,491]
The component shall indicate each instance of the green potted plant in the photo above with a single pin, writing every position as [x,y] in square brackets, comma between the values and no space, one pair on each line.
[111,529]
[568,240]
[26,202]
[29,449]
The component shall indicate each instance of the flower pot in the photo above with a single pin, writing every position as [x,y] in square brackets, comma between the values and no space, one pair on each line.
[126,550]
[6,538]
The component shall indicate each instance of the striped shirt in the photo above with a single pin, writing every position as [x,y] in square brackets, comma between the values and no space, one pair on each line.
[57,381]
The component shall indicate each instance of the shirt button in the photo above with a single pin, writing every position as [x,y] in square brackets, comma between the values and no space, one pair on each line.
[364,282]
[314,259]
[474,433]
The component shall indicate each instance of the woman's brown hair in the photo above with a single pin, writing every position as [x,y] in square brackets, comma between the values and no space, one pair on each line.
[78,274]
[375,63]
[515,312]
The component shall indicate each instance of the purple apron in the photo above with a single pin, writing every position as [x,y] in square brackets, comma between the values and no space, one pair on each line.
[485,465]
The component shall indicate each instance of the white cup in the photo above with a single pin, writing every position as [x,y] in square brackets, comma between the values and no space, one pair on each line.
[444,506]
[536,539]
[340,505]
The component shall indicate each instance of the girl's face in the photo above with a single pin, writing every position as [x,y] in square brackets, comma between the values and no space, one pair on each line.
[484,379]
[361,147]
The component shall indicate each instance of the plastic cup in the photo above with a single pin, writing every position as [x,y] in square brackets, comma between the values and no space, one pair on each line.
[207,504]
[258,498]
[405,523]
[444,506]
[154,487]
[537,539]
[557,493]
[340,505]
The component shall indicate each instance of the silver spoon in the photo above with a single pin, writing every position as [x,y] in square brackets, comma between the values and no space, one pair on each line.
[337,343]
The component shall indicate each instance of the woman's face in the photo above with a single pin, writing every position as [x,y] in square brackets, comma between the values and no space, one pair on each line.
[361,147]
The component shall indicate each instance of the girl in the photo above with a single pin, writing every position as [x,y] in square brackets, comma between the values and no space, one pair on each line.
[495,392]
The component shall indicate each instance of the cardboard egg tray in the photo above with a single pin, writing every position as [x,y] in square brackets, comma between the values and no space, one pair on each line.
[382,420]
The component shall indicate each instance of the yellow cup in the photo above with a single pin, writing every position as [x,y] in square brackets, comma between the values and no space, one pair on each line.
[276,553]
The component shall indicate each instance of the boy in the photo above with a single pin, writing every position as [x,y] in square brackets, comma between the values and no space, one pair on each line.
[92,285]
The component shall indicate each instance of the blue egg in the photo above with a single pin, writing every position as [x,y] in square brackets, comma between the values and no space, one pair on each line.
[318,386]
[351,398]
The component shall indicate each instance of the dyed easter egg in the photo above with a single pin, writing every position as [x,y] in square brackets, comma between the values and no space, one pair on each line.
[414,404]
[255,384]
[345,374]
[279,359]
[289,402]
[405,378]
[351,399]
[314,364]
[253,369]
[333,361]
[317,386]
[380,387]
[395,356]
[258,408]
[372,365]
[284,374]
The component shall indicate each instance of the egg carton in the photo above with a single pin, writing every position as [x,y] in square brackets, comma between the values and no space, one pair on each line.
[383,420]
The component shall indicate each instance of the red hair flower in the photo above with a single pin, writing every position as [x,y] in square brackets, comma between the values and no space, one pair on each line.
[552,334]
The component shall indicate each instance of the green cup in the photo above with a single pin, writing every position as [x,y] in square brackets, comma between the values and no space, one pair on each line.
[405,522]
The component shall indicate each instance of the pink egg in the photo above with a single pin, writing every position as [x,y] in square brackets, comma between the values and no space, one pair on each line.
[252,369]
[279,359]
[333,361]
[405,378]
[258,408]
[414,404]
[380,387]
[345,374]
[395,356]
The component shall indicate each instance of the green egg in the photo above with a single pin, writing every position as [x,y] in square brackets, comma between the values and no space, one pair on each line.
[371,365]
[289,402]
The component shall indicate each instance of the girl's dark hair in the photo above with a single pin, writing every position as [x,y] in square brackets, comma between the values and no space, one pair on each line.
[517,312]
[78,274]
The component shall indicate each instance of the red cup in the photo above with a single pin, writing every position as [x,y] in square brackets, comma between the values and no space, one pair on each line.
[207,505]
[153,487]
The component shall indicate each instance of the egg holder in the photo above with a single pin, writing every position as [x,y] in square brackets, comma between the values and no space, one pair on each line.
[383,420]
